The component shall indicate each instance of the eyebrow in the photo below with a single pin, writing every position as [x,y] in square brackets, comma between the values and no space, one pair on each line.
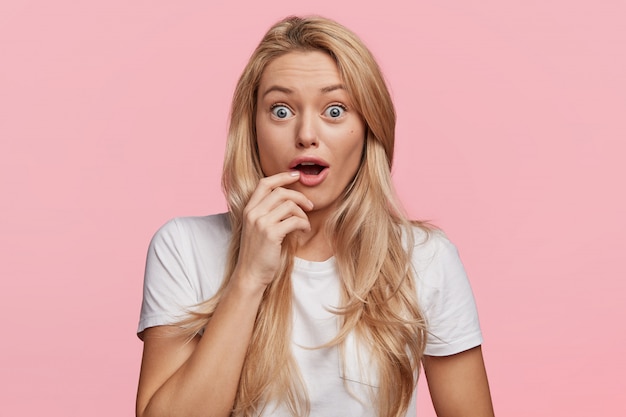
[277,88]
[289,91]
[332,88]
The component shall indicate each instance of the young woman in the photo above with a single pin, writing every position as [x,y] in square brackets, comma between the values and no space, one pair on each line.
[314,295]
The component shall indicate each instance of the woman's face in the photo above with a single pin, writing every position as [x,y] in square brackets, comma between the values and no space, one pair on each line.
[305,122]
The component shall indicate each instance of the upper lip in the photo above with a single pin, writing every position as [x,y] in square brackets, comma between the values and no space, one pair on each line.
[310,159]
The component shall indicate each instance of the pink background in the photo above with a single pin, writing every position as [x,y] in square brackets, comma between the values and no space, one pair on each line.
[511,136]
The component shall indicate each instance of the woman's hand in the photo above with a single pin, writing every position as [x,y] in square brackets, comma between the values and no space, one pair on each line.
[181,377]
[271,214]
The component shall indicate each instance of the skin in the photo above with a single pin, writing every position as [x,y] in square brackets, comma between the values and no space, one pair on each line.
[458,384]
[200,377]
[318,121]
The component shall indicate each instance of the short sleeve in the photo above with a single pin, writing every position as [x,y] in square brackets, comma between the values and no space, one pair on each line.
[447,301]
[167,289]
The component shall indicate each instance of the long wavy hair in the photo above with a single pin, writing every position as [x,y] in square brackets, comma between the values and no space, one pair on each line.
[371,237]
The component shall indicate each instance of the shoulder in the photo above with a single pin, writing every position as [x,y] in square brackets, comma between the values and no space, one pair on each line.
[431,246]
[444,294]
[193,244]
[437,266]
[185,265]
[197,230]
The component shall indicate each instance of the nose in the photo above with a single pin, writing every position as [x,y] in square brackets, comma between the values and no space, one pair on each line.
[306,135]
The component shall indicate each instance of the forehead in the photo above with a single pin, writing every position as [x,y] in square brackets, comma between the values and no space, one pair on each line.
[301,68]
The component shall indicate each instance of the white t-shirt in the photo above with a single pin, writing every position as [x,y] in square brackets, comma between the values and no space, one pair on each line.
[185,266]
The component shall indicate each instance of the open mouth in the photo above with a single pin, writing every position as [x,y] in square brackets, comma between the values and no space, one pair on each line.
[309,168]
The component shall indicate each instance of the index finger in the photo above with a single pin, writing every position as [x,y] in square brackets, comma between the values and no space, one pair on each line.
[268,184]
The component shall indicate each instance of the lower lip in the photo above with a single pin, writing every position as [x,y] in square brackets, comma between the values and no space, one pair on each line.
[313,180]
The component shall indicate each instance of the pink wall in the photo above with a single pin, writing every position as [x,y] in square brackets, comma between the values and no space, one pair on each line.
[511,136]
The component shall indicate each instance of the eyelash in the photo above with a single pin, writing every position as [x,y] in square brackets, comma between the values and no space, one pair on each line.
[343,106]
[273,106]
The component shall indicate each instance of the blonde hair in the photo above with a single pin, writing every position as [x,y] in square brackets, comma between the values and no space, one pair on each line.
[371,237]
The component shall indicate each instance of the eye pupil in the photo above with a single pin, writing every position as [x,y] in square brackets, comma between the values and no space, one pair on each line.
[282,113]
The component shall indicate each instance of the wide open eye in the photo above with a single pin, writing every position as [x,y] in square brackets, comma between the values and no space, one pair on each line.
[281,111]
[335,111]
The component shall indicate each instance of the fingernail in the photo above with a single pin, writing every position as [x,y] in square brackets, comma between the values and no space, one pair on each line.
[294,173]
[311,204]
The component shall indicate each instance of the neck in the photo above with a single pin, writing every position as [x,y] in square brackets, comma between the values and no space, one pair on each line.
[314,245]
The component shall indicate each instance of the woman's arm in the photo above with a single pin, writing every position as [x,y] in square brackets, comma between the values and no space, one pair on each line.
[458,384]
[200,378]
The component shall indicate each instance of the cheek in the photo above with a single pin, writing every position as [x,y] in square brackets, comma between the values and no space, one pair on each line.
[262,140]
[357,141]
[352,156]
[269,153]
[265,157]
